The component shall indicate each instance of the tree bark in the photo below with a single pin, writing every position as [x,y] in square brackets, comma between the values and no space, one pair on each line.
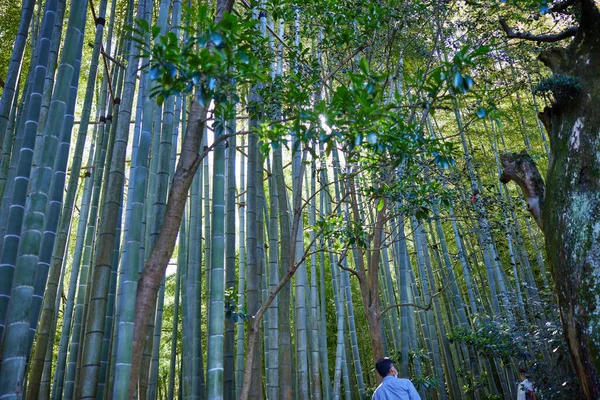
[369,279]
[156,265]
[570,210]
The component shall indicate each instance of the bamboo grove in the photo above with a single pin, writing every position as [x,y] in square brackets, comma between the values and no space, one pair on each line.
[259,199]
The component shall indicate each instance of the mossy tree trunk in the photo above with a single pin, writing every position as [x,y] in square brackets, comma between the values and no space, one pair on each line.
[567,207]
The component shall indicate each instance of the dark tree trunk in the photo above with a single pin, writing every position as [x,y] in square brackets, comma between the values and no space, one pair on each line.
[569,205]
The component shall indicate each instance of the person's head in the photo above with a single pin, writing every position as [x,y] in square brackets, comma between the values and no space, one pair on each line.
[385,367]
[523,374]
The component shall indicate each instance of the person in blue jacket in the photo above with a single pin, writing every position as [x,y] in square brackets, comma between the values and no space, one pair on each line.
[392,387]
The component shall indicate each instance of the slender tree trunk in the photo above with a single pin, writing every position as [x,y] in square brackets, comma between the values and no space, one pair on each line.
[156,265]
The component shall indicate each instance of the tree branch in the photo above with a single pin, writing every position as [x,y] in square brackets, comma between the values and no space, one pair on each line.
[512,34]
[340,65]
[520,168]
[424,308]
[352,271]
[415,305]
[562,7]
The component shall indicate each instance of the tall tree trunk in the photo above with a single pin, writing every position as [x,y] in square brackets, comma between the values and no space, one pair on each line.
[155,267]
[567,208]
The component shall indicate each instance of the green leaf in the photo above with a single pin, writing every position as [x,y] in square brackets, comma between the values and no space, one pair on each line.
[171,69]
[155,72]
[216,38]
[264,148]
[481,112]
[143,24]
[380,204]
[457,80]
[364,65]
[468,83]
[372,137]
[480,51]
[243,57]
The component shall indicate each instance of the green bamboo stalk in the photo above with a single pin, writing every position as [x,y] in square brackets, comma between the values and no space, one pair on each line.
[481,219]
[273,279]
[110,313]
[184,261]
[46,97]
[253,265]
[323,200]
[206,197]
[284,328]
[463,261]
[9,90]
[192,385]
[239,353]
[58,183]
[300,292]
[49,311]
[37,231]
[12,238]
[429,324]
[11,160]
[9,142]
[389,295]
[46,380]
[166,169]
[316,391]
[175,328]
[100,191]
[338,291]
[171,124]
[301,273]
[448,359]
[106,235]
[133,255]
[81,258]
[154,211]
[345,374]
[216,328]
[406,313]
[228,361]
[328,390]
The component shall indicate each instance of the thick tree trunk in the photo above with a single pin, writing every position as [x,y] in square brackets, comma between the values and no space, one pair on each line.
[569,212]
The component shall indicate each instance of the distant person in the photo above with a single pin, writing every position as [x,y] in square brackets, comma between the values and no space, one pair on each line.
[525,388]
[392,387]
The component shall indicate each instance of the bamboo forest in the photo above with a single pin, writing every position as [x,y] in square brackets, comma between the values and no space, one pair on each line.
[260,199]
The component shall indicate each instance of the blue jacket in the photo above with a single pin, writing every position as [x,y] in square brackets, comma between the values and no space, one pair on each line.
[393,388]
